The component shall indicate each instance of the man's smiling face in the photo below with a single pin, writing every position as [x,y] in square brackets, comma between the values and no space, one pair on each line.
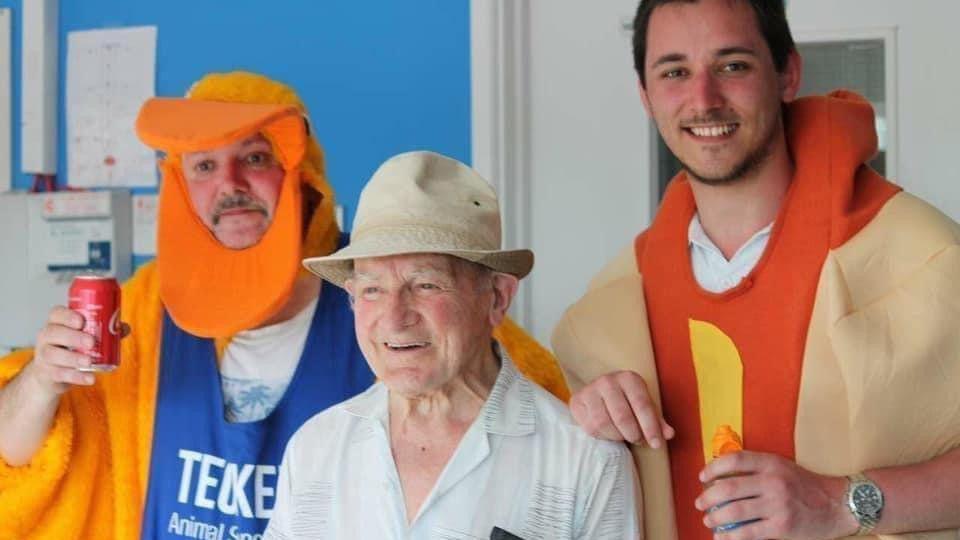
[422,320]
[713,89]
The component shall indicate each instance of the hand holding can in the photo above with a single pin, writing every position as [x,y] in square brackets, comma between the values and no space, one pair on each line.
[727,441]
[97,299]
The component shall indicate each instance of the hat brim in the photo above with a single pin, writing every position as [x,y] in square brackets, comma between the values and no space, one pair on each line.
[180,125]
[338,267]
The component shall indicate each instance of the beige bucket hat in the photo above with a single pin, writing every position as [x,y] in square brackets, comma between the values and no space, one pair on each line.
[423,202]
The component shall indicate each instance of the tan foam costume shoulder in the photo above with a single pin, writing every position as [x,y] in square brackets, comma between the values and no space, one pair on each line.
[89,479]
[880,351]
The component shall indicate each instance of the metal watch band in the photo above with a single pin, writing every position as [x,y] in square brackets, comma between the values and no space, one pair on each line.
[867,521]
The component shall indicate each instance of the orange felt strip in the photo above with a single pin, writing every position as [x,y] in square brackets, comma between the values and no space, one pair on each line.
[178,125]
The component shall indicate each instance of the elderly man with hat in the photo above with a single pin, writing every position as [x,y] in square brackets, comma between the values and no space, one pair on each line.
[232,345]
[452,442]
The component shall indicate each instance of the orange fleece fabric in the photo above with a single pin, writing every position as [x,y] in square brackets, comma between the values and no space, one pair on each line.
[832,196]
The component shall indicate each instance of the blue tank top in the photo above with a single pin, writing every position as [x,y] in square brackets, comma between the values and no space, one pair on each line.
[216,480]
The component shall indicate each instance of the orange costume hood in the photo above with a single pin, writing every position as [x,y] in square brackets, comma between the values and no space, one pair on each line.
[832,137]
[208,289]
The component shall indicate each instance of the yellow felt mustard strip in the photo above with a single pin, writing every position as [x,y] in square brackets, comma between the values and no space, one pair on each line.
[719,381]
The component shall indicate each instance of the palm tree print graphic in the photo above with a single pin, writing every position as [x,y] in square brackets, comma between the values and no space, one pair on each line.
[249,403]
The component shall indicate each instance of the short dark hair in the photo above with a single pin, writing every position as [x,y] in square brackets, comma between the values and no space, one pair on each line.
[771,20]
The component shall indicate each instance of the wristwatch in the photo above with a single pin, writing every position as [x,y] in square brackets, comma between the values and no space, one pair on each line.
[865,501]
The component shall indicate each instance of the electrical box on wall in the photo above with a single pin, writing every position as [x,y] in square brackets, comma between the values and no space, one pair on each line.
[48,238]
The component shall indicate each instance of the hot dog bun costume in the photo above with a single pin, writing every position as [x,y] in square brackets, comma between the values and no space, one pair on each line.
[828,352]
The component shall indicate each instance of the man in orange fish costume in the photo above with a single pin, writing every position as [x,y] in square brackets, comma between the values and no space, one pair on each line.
[784,289]
[232,344]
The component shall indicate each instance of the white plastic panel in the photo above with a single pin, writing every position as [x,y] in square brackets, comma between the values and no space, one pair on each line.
[6,122]
[45,240]
[38,95]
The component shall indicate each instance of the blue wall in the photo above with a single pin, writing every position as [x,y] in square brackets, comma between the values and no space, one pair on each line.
[379,77]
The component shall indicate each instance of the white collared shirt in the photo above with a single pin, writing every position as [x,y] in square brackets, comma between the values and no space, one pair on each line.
[711,269]
[523,466]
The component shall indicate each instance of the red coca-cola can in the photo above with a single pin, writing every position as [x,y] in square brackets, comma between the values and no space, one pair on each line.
[97,298]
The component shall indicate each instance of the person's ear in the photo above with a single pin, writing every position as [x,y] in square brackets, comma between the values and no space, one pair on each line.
[790,78]
[504,289]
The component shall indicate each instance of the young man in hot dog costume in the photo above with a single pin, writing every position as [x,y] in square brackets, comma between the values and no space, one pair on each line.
[784,289]
[232,344]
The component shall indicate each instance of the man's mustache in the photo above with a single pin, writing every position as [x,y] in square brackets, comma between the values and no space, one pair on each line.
[234,201]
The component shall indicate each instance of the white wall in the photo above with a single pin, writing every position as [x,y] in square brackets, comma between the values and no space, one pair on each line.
[589,148]
[589,141]
[928,83]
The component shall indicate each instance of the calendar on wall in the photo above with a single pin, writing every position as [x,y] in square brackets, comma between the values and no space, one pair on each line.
[110,73]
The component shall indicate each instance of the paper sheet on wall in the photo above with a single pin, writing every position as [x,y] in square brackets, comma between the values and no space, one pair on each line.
[110,73]
[144,224]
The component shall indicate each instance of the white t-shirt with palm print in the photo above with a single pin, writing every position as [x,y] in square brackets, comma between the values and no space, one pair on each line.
[257,366]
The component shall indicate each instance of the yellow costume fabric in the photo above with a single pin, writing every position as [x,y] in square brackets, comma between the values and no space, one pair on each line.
[880,366]
[89,479]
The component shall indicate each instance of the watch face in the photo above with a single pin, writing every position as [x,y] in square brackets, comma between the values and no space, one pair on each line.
[867,499]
